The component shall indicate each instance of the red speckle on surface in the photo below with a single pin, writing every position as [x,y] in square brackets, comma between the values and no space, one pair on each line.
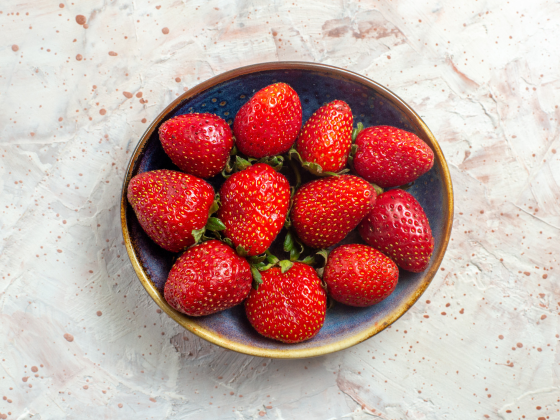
[127,95]
[165,31]
[144,120]
[25,378]
[177,79]
[501,337]
[79,57]
[153,400]
[99,313]
[139,94]
[80,19]
[102,111]
[69,337]
[34,369]
[519,345]
[86,387]
[15,47]
[113,53]
[120,405]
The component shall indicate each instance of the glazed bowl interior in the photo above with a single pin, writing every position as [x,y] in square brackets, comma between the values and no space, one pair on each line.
[316,85]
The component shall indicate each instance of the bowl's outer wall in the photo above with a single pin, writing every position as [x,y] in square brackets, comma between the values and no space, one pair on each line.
[315,88]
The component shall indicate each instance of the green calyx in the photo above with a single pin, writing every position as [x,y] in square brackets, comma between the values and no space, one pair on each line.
[265,262]
[356,131]
[313,167]
[377,188]
[213,225]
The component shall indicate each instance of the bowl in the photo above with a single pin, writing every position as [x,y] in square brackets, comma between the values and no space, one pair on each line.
[316,84]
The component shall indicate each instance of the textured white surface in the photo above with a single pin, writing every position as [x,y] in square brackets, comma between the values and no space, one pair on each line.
[81,339]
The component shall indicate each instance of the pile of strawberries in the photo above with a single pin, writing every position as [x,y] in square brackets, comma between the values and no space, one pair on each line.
[225,238]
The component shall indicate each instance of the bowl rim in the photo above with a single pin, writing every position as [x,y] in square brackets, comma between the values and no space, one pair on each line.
[190,323]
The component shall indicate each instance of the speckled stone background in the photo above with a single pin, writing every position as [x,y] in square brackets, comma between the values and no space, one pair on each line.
[81,339]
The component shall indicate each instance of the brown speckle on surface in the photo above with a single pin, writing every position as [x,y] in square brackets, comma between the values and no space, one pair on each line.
[102,111]
[79,57]
[15,48]
[127,95]
[113,53]
[165,31]
[69,337]
[80,19]
[99,313]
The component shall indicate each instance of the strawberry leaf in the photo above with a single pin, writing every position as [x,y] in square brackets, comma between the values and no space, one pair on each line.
[257,278]
[377,188]
[289,242]
[356,131]
[241,163]
[275,161]
[257,259]
[242,252]
[285,265]
[215,224]
[228,241]
[197,234]
[309,260]
[271,258]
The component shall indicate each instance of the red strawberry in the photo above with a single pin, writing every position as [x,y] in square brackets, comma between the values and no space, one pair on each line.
[208,278]
[359,275]
[324,211]
[170,205]
[198,144]
[398,227]
[389,156]
[288,307]
[254,204]
[326,137]
[269,122]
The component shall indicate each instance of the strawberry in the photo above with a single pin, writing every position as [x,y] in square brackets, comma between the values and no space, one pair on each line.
[389,156]
[359,275]
[198,144]
[326,138]
[288,307]
[170,205]
[269,122]
[324,211]
[207,278]
[254,204]
[398,227]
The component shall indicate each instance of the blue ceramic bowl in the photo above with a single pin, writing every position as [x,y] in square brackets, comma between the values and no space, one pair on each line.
[316,84]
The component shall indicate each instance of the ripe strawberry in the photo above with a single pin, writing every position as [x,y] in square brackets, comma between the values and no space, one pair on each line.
[324,211]
[207,278]
[326,137]
[359,275]
[288,307]
[170,205]
[398,227]
[198,144]
[269,122]
[254,204]
[389,156]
